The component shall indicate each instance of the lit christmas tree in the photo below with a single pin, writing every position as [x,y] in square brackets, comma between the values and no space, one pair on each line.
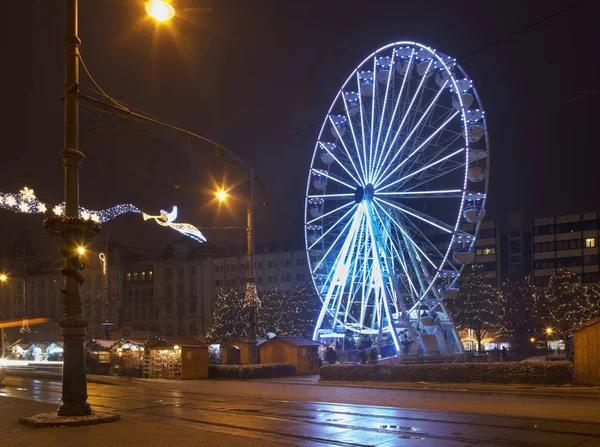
[516,306]
[567,302]
[229,318]
[293,314]
[476,306]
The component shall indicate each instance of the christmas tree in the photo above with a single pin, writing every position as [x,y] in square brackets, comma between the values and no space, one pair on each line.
[229,317]
[476,306]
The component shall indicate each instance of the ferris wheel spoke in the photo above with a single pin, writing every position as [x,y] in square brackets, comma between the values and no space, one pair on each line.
[356,145]
[417,214]
[418,171]
[375,149]
[442,194]
[335,178]
[421,146]
[345,147]
[339,208]
[362,122]
[375,88]
[395,249]
[341,219]
[414,129]
[403,231]
[339,163]
[330,196]
[426,239]
[401,125]
[398,100]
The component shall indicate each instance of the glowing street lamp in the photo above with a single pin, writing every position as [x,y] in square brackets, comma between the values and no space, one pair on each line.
[549,331]
[80,250]
[221,195]
[160,11]
[532,340]
[3,277]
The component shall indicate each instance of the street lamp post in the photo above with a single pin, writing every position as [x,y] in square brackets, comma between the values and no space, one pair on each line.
[251,298]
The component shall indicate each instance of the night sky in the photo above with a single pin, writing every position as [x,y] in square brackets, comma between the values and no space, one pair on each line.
[259,76]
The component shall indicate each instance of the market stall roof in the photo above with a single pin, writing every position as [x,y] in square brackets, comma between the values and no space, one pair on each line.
[188,342]
[584,325]
[296,341]
[104,344]
[259,341]
[130,341]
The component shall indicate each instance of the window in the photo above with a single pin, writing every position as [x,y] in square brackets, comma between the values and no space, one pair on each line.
[136,294]
[569,227]
[270,264]
[590,242]
[218,282]
[285,263]
[180,290]
[169,308]
[589,225]
[543,229]
[169,290]
[259,265]
[542,281]
[192,270]
[144,294]
[259,280]
[128,276]
[193,289]
[286,278]
[193,328]
[180,309]
[169,329]
[136,312]
[299,262]
[300,277]
[270,279]
[130,296]
[193,307]
[169,273]
[144,312]
[590,260]
[216,269]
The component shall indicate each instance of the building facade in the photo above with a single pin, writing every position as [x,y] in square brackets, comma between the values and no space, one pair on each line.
[569,241]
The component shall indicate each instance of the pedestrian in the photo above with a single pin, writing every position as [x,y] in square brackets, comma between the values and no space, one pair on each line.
[331,356]
[504,354]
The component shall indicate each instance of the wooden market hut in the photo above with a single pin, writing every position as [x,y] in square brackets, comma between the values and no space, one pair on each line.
[127,357]
[301,352]
[235,351]
[175,358]
[98,356]
[586,346]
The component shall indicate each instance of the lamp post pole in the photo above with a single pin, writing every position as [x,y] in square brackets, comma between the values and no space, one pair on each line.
[73,324]
[251,296]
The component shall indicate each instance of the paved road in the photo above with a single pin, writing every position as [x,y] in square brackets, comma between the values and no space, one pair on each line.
[304,413]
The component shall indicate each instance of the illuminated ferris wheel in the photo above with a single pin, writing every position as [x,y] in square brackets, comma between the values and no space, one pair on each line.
[396,192]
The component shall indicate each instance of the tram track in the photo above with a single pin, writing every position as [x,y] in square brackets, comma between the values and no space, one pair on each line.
[399,426]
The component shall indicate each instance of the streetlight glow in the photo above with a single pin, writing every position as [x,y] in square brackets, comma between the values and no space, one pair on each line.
[532,340]
[3,277]
[221,195]
[549,330]
[80,250]
[159,10]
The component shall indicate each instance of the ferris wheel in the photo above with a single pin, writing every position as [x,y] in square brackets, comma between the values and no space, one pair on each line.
[395,195]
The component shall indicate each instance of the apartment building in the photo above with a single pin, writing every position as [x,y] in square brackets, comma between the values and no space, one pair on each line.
[569,241]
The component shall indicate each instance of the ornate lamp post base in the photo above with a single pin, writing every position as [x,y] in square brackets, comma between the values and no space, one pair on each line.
[53,420]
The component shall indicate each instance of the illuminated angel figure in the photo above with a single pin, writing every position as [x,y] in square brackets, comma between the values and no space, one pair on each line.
[166,220]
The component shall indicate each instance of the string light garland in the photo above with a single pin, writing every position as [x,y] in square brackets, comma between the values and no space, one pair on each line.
[25,201]
[167,220]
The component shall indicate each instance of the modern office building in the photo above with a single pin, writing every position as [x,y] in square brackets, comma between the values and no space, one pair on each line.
[516,249]
[569,241]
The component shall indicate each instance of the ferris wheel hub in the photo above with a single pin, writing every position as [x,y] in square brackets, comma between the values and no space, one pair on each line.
[369,192]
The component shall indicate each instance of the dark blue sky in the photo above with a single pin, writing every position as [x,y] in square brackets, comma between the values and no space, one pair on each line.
[258,77]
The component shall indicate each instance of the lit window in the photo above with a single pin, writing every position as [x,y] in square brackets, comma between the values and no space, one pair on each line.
[590,242]
[128,276]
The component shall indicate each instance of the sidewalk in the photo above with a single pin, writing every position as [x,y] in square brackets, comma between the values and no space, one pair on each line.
[560,392]
[129,431]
